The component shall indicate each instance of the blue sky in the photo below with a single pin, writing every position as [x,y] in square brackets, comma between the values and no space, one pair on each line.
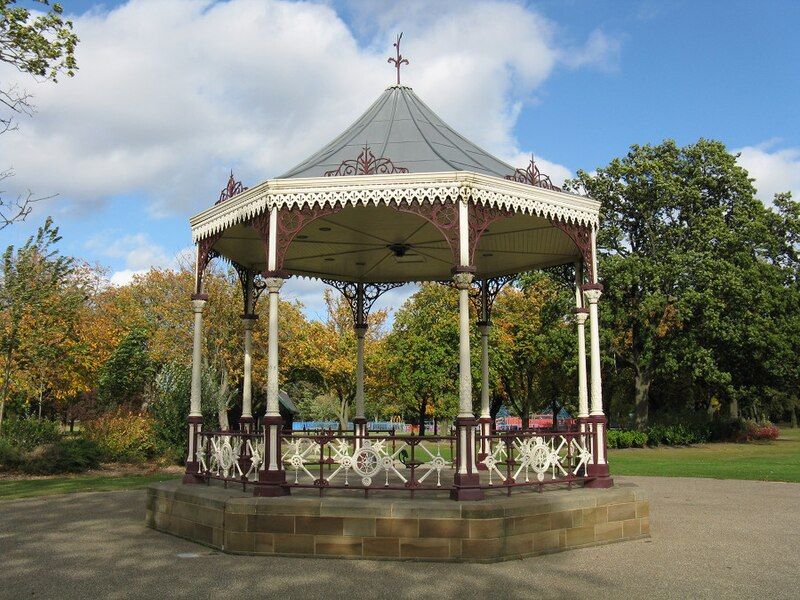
[173,93]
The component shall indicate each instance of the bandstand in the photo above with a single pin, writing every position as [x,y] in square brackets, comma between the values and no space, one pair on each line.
[399,197]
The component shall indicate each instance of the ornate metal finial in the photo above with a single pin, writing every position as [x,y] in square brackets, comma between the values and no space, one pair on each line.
[533,176]
[231,189]
[366,164]
[398,60]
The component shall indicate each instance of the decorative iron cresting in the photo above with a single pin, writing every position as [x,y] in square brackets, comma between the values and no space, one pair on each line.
[398,59]
[366,164]
[230,190]
[532,176]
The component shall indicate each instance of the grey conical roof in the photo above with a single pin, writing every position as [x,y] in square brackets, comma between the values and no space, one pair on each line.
[400,127]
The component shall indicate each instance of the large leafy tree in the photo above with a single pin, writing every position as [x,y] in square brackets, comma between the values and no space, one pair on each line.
[533,346]
[423,353]
[689,295]
[31,276]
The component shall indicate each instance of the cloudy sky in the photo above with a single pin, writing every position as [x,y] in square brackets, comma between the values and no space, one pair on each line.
[172,94]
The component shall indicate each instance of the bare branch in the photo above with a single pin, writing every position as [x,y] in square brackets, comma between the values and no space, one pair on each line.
[17,210]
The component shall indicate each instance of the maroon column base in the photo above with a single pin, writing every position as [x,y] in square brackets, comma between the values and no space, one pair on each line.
[192,475]
[466,487]
[246,424]
[601,477]
[271,484]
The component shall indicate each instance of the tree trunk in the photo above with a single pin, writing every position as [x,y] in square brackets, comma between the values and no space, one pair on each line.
[554,406]
[734,407]
[6,382]
[794,417]
[642,384]
[422,407]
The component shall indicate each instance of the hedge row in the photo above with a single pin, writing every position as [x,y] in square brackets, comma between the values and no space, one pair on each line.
[735,430]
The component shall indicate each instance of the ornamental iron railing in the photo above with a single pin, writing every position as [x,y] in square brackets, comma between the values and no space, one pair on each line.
[328,460]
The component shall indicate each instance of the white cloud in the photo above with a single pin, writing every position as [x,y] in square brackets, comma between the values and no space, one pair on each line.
[137,253]
[774,169]
[171,94]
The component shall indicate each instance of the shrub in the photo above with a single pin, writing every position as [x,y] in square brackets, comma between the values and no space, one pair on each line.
[675,435]
[620,438]
[72,455]
[123,436]
[26,434]
[727,430]
[761,431]
[11,457]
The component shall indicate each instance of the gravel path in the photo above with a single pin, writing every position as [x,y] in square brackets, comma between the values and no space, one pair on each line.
[710,539]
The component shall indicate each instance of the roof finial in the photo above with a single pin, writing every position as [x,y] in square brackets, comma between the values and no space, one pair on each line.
[399,60]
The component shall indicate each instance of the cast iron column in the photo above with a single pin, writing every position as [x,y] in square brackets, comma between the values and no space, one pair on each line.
[466,481]
[192,474]
[598,468]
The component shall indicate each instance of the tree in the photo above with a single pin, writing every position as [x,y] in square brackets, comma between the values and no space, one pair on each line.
[688,297]
[42,45]
[422,353]
[29,275]
[329,359]
[125,375]
[533,346]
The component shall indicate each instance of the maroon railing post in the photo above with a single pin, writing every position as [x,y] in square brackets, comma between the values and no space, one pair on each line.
[192,474]
[597,469]
[272,477]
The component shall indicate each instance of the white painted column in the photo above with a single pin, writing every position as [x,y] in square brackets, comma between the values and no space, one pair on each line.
[273,408]
[485,328]
[583,397]
[198,304]
[360,335]
[247,383]
[593,296]
[463,281]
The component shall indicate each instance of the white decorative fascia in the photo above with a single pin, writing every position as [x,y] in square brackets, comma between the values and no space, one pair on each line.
[384,189]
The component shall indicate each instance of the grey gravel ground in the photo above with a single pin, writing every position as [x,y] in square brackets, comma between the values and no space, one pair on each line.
[710,539]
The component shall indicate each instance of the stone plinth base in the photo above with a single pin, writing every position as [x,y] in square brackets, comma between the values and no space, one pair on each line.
[399,528]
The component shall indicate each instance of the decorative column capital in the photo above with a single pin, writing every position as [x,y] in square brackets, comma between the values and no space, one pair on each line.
[581,315]
[484,327]
[198,304]
[248,321]
[592,292]
[361,330]
[463,280]
[273,284]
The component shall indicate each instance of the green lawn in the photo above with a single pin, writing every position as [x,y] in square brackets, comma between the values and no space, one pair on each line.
[765,461]
[24,488]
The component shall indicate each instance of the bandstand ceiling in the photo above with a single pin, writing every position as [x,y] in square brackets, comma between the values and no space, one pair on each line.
[353,245]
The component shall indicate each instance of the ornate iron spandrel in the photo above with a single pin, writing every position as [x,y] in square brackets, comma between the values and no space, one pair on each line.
[366,164]
[581,235]
[205,253]
[369,292]
[532,176]
[291,221]
[442,215]
[480,217]
[253,286]
[487,291]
